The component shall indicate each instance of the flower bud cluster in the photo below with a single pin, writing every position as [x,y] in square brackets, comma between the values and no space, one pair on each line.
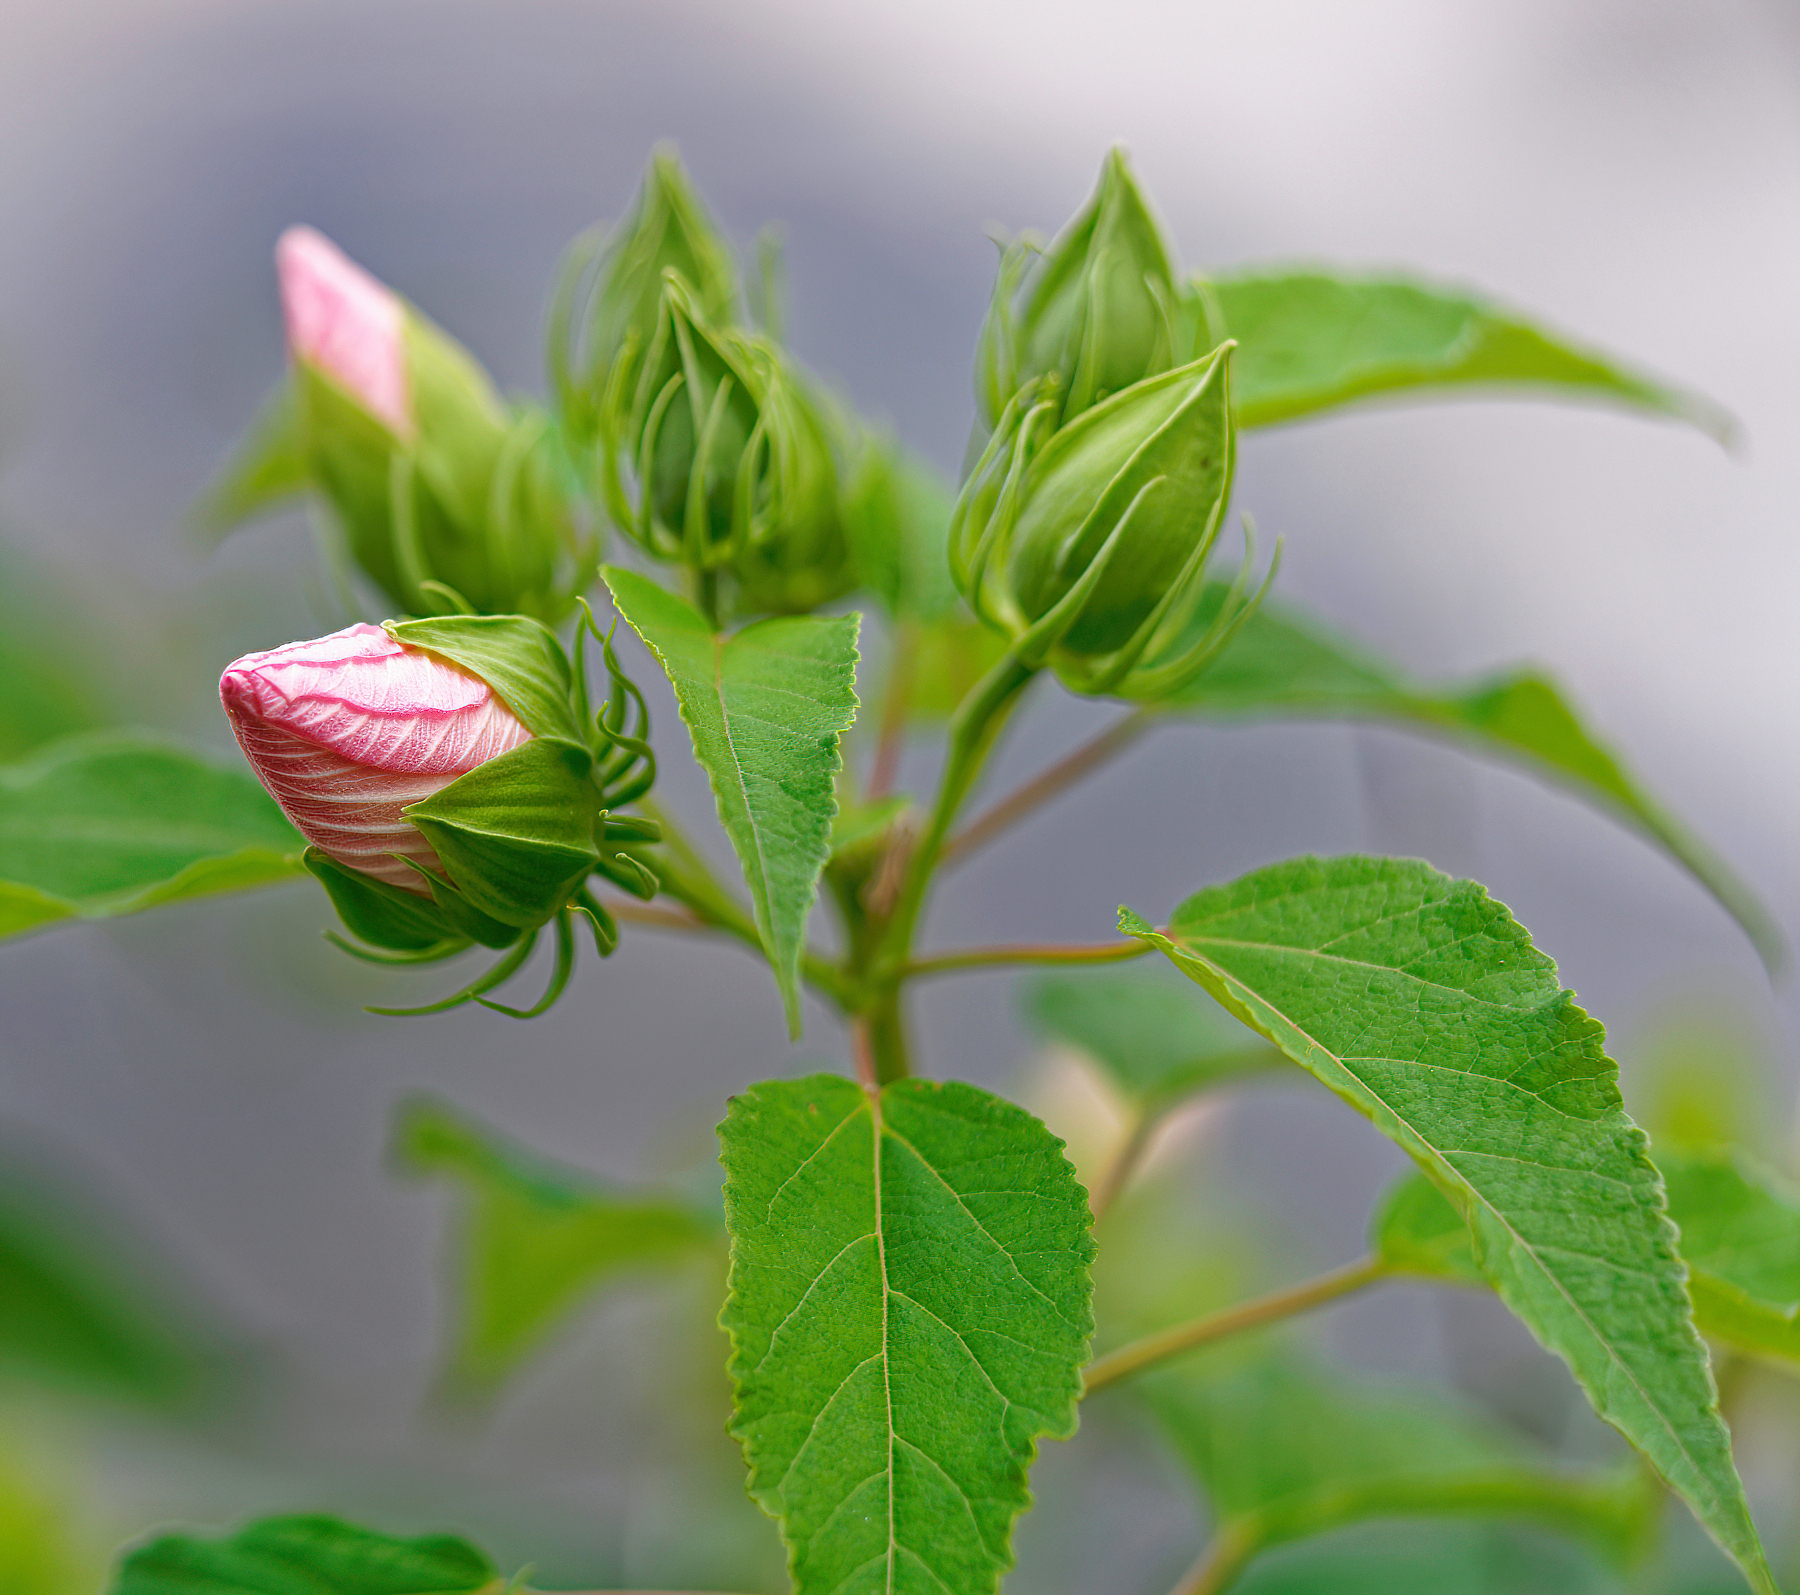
[449,499]
[1083,532]
[712,449]
[451,783]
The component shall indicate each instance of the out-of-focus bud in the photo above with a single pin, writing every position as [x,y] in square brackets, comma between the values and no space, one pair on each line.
[724,462]
[1087,546]
[449,500]
[1101,309]
[668,230]
[448,779]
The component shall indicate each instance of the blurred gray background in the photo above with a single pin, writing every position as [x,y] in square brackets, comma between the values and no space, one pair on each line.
[1627,169]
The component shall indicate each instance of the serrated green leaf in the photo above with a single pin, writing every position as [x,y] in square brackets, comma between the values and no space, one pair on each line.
[535,1239]
[1285,1449]
[1286,662]
[267,468]
[517,656]
[1155,1041]
[765,709]
[909,1313]
[516,834]
[1313,339]
[1422,1002]
[111,823]
[312,1555]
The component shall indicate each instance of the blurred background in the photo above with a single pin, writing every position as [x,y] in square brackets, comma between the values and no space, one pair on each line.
[200,1086]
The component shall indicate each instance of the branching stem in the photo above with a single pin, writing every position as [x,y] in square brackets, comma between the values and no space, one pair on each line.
[1167,1343]
[1035,793]
[1218,1565]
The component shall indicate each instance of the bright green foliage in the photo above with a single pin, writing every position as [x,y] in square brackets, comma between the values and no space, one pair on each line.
[94,826]
[1285,1449]
[909,1312]
[38,1551]
[1740,1234]
[305,1556]
[1313,340]
[1422,1002]
[535,1239]
[1286,662]
[765,708]
[1156,1042]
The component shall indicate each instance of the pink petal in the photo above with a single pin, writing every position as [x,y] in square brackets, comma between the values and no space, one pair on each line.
[347,730]
[347,323]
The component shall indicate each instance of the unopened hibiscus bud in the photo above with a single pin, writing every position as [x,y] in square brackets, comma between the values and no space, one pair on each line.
[1087,546]
[730,463]
[347,731]
[346,324]
[449,501]
[1099,310]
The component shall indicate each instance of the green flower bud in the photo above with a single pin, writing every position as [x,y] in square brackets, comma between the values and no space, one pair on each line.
[449,501]
[1087,545]
[1101,309]
[731,466]
[668,230]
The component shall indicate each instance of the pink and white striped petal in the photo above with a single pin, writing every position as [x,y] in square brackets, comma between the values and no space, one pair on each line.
[345,731]
[347,323]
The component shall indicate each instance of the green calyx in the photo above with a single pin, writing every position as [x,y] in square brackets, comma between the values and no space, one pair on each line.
[1100,309]
[721,460]
[473,510]
[1087,545]
[519,837]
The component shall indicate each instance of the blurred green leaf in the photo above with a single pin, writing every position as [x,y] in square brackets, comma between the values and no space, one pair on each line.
[897,520]
[268,467]
[909,1313]
[46,688]
[949,656]
[1417,1231]
[305,1556]
[1421,1001]
[765,708]
[1285,1450]
[1286,662]
[1156,1042]
[38,1553]
[113,823]
[535,1240]
[1740,1234]
[1311,340]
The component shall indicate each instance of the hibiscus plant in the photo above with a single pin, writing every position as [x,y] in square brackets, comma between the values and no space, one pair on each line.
[910,1307]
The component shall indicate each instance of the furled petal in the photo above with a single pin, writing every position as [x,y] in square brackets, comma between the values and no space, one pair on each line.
[347,323]
[349,729]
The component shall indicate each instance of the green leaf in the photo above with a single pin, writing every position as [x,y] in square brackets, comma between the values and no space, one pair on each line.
[1312,340]
[49,683]
[1154,1041]
[1422,1002]
[897,521]
[1740,1234]
[1285,1449]
[380,914]
[535,1239]
[950,655]
[1286,662]
[765,709]
[305,1556]
[38,1554]
[516,834]
[267,468]
[909,1312]
[517,656]
[1417,1231]
[113,823]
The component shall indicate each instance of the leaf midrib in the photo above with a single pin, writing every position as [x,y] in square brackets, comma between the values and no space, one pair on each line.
[1529,1249]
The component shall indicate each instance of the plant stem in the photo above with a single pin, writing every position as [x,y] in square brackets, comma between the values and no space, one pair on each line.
[1038,791]
[973,730]
[1152,1349]
[1218,1565]
[1123,1163]
[989,957]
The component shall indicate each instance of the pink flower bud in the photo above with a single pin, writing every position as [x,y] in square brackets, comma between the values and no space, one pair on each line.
[346,323]
[348,730]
